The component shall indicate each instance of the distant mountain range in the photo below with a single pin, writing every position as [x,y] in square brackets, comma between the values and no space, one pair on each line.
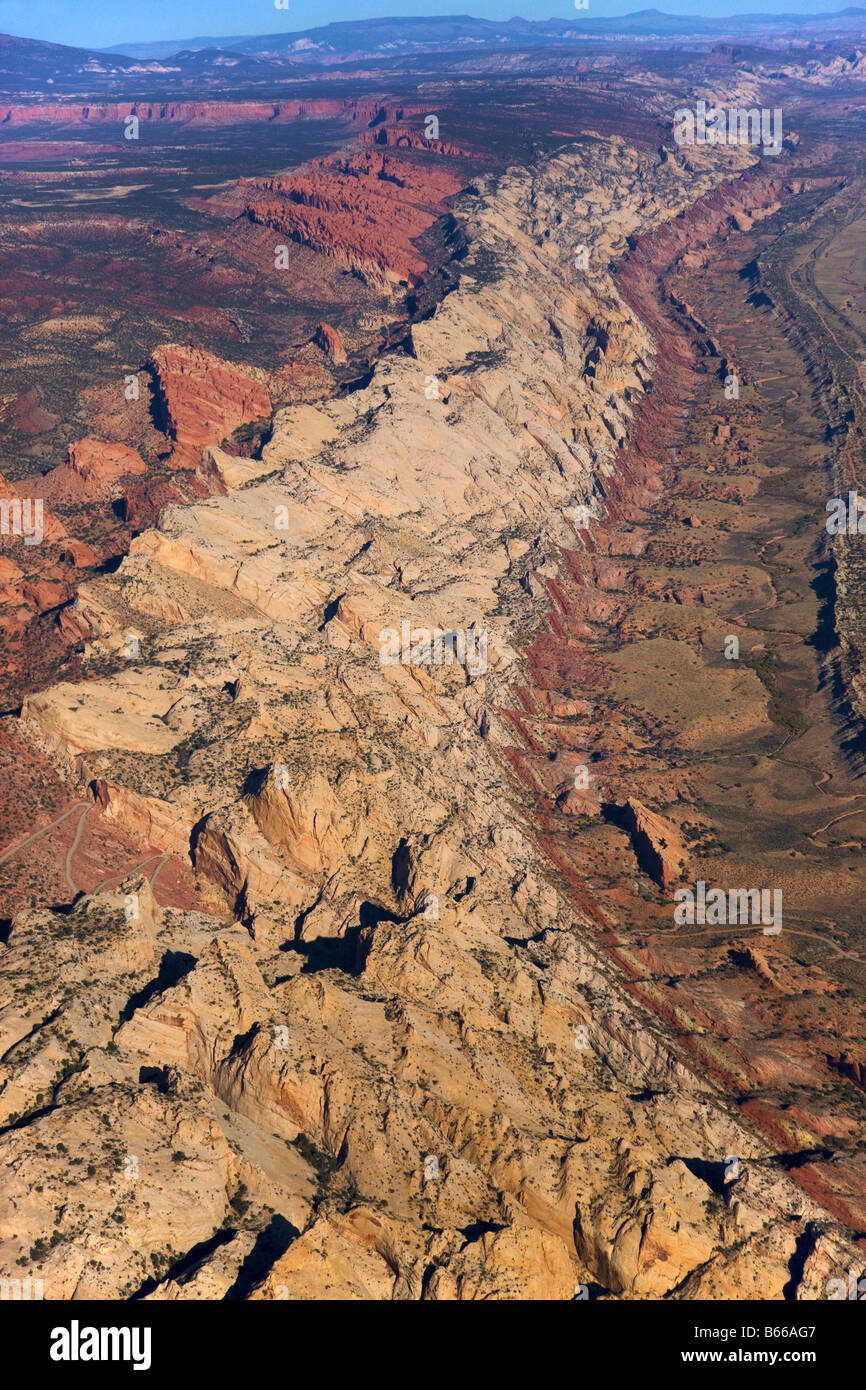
[30,66]
[334,43]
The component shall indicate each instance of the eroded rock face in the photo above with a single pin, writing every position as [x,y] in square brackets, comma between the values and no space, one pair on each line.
[658,845]
[394,1043]
[94,466]
[330,341]
[196,113]
[364,211]
[404,136]
[205,399]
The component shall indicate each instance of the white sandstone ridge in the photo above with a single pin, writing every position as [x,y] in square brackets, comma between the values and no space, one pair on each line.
[383,507]
[527,419]
[389,976]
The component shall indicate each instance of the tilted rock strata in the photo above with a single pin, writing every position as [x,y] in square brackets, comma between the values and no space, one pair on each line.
[364,211]
[204,398]
[398,1051]
[330,341]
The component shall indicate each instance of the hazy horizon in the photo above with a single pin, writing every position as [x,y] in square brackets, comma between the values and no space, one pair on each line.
[91,25]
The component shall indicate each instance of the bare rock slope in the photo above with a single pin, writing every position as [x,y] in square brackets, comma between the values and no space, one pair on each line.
[391,1061]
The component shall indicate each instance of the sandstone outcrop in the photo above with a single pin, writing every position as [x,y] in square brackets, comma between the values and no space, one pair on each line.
[657,845]
[196,113]
[101,463]
[330,341]
[364,211]
[204,400]
[409,137]
[398,1047]
[93,468]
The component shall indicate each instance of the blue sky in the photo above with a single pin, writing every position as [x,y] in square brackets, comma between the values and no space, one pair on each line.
[100,23]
